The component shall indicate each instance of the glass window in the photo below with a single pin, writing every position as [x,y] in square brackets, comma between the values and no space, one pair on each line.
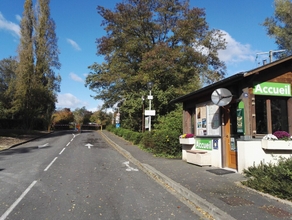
[278,112]
[279,115]
[261,115]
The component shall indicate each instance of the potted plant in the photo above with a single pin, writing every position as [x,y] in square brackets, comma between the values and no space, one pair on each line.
[279,140]
[186,139]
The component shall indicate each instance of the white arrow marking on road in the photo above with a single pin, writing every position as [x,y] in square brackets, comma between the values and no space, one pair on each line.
[129,168]
[43,145]
[88,145]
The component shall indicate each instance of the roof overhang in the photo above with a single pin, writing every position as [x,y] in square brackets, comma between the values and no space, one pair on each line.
[222,83]
[228,81]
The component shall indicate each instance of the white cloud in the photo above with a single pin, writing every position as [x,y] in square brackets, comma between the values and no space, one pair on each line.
[236,52]
[68,100]
[9,26]
[18,17]
[73,44]
[76,77]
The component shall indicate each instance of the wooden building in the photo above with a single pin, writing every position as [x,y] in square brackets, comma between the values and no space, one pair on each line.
[260,104]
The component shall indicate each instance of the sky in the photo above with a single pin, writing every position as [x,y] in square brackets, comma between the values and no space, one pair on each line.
[78,25]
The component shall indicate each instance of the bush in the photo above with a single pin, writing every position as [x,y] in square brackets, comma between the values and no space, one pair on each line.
[147,140]
[136,137]
[126,134]
[274,179]
[163,140]
[166,143]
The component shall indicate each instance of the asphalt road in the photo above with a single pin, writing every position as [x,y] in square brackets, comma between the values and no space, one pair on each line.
[79,176]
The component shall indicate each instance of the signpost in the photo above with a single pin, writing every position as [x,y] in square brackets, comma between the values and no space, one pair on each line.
[118,120]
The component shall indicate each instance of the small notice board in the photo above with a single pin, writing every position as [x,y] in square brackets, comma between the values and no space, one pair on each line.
[208,120]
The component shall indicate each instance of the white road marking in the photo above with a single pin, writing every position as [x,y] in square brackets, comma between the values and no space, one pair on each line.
[43,145]
[50,164]
[68,144]
[62,151]
[8,211]
[129,168]
[88,145]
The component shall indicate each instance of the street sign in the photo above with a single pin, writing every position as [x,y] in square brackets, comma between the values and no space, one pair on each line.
[150,97]
[150,112]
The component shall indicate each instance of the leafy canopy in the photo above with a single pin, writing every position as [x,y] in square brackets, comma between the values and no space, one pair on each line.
[165,42]
[280,25]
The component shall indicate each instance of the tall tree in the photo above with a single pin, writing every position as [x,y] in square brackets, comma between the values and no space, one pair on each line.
[37,83]
[280,25]
[47,60]
[165,42]
[24,94]
[8,68]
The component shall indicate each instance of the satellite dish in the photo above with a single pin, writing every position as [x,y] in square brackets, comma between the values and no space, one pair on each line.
[221,97]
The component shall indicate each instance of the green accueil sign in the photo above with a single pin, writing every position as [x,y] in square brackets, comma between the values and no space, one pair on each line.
[204,143]
[273,89]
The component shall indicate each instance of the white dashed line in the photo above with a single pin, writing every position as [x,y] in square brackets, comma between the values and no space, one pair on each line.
[50,164]
[8,211]
[62,151]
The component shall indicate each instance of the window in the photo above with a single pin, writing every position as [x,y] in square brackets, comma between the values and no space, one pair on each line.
[273,111]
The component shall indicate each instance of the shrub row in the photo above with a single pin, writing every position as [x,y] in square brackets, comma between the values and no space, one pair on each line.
[159,142]
[274,179]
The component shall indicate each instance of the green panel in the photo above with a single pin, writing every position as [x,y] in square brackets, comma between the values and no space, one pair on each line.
[204,143]
[241,104]
[272,89]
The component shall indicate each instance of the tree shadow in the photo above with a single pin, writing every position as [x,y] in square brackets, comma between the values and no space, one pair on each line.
[22,150]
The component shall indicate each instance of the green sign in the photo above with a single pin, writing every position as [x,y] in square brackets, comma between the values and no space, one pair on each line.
[203,143]
[273,89]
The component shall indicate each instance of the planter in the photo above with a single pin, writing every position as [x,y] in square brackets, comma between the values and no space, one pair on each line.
[276,145]
[187,141]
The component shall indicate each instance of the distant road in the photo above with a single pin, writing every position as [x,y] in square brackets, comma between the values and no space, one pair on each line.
[79,176]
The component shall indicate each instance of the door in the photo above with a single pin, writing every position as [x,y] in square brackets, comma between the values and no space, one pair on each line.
[229,141]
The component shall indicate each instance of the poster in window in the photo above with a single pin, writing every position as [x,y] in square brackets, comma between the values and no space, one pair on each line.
[213,126]
[208,120]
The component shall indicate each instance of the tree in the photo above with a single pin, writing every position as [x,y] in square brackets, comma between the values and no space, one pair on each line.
[46,51]
[63,116]
[8,68]
[36,81]
[165,42]
[280,26]
[101,117]
[81,115]
[24,93]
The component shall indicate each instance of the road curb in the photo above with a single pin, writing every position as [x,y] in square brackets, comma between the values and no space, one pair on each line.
[202,207]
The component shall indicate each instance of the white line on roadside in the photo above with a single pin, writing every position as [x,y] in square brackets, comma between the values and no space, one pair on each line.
[62,151]
[68,144]
[8,211]
[50,164]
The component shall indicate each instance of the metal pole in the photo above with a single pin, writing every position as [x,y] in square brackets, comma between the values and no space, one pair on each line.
[271,55]
[150,115]
[143,117]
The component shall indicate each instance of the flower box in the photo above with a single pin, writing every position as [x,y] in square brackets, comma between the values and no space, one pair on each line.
[277,145]
[187,140]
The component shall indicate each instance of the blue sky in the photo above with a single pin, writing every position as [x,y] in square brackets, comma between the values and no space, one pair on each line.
[78,26]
